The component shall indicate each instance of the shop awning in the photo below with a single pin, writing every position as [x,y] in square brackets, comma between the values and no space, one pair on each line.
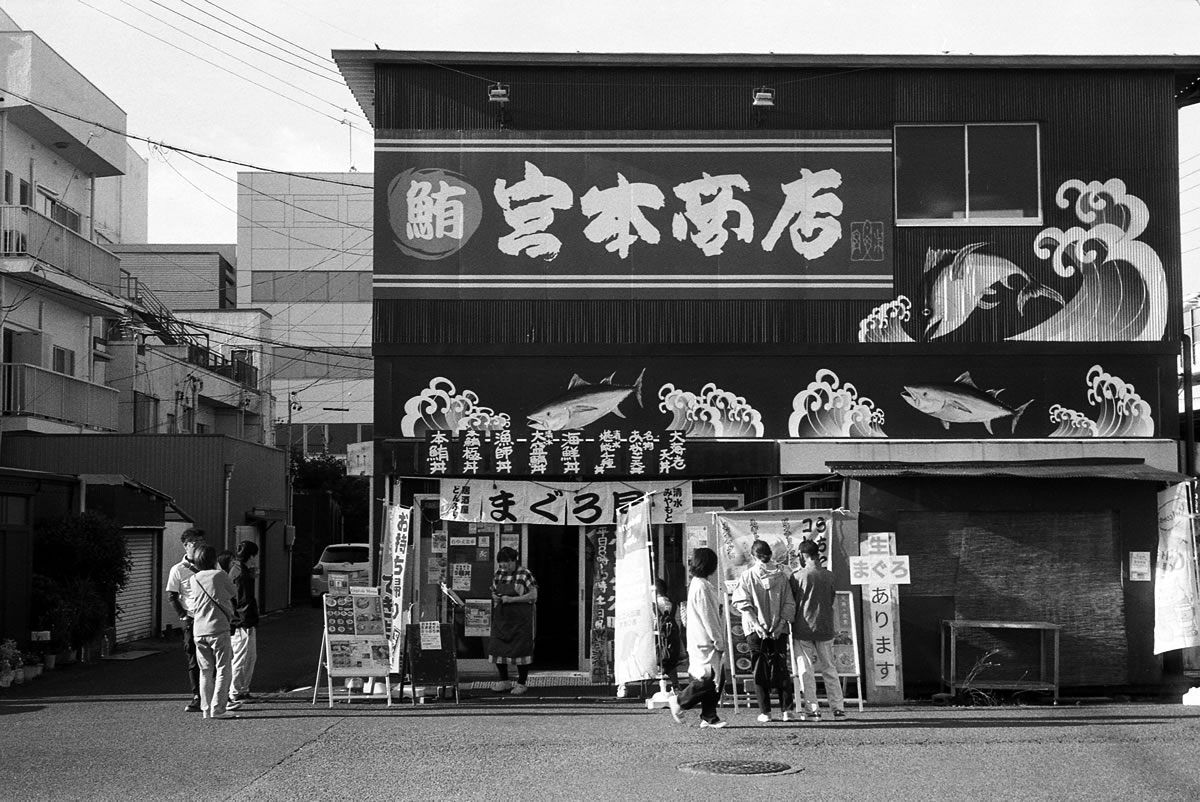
[1129,470]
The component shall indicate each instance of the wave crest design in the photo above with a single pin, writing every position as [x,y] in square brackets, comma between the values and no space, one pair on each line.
[1124,291]
[827,408]
[440,407]
[712,413]
[882,325]
[1123,412]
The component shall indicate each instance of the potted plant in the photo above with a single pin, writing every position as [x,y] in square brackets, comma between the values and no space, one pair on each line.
[9,661]
[33,664]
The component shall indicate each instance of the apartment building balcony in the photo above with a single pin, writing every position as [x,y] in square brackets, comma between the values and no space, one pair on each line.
[27,233]
[30,391]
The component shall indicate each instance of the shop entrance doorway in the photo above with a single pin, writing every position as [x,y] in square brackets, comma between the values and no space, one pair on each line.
[554,560]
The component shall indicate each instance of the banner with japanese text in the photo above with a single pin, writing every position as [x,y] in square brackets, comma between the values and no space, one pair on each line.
[612,214]
[635,653]
[585,503]
[782,529]
[602,541]
[1175,586]
[397,523]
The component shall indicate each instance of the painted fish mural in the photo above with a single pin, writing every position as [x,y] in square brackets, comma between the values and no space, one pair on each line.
[959,282]
[961,402]
[584,403]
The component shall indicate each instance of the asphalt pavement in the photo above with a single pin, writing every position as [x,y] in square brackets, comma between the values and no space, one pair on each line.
[116,730]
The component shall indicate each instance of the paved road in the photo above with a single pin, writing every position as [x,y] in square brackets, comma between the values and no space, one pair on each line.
[116,731]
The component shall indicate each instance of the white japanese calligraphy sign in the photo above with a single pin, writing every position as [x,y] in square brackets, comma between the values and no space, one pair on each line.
[891,569]
[634,649]
[691,214]
[882,624]
[586,503]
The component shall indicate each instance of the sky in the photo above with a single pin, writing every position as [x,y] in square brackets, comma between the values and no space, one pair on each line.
[252,81]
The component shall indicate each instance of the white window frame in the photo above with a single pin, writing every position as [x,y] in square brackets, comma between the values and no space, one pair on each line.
[968,220]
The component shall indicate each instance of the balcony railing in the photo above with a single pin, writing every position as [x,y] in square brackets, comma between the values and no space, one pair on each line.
[24,232]
[40,393]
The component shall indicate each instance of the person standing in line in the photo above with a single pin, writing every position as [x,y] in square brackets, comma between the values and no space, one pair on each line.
[670,644]
[179,594]
[705,644]
[213,596]
[514,592]
[812,634]
[764,598]
[245,635]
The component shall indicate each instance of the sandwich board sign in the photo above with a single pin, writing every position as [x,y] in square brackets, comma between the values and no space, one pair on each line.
[355,642]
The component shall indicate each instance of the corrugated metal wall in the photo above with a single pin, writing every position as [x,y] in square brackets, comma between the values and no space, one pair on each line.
[1095,125]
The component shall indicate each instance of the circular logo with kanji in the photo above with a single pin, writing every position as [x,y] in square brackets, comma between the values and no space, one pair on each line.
[433,212]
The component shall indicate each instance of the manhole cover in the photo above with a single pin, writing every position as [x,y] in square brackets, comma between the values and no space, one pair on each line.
[734,767]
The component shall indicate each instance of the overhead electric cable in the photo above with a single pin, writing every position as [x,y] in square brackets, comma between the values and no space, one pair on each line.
[337,80]
[220,67]
[322,61]
[176,148]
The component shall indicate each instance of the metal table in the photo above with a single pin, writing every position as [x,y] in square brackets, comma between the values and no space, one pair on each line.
[1048,657]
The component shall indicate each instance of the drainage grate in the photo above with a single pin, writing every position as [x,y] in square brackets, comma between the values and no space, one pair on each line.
[734,767]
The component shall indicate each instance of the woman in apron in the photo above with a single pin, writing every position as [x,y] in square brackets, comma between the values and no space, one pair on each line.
[514,591]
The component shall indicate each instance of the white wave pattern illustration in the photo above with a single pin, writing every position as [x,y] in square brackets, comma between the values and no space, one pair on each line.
[882,325]
[1123,413]
[712,413]
[1124,292]
[827,408]
[440,407]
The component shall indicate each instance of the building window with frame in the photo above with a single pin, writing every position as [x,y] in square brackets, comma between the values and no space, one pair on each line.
[64,361]
[968,174]
[8,186]
[26,195]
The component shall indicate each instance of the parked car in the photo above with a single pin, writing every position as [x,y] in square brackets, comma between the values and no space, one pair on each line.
[352,559]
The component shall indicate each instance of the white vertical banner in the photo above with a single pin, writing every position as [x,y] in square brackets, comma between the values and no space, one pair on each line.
[883,613]
[1175,591]
[397,523]
[635,656]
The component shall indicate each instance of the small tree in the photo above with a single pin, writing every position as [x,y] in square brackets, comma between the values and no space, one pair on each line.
[84,560]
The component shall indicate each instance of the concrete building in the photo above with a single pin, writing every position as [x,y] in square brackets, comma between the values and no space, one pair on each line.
[304,259]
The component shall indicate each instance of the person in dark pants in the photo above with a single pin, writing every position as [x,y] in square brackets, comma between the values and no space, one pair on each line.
[514,592]
[764,598]
[179,594]
[705,643]
[245,637]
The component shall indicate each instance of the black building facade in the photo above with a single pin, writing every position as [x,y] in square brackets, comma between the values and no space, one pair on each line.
[720,278]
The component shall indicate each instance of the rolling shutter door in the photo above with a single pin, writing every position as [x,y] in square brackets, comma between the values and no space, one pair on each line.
[136,599]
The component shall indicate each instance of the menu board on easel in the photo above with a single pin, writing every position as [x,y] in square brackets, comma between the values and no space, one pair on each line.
[355,638]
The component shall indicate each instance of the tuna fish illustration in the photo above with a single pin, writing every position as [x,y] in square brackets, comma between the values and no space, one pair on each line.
[970,281]
[584,403]
[961,402]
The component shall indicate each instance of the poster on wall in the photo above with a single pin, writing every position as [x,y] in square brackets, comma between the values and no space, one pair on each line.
[1175,581]
[477,614]
[635,652]
[682,214]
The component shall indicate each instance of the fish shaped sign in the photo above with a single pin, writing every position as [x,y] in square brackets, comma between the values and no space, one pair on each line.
[962,402]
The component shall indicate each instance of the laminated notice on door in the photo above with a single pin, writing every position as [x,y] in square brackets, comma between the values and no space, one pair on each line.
[431,636]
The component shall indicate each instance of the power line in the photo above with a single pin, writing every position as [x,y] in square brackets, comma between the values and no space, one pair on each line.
[176,148]
[218,66]
[232,39]
[321,61]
